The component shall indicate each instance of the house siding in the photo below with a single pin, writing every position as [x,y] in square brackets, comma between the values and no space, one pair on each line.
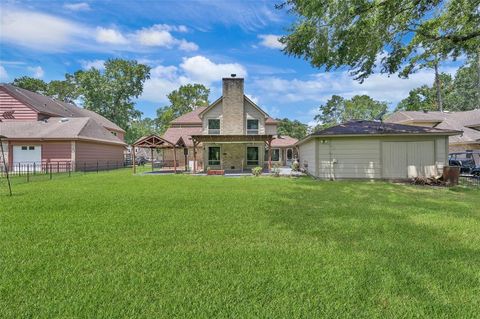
[307,157]
[252,113]
[88,153]
[364,157]
[22,112]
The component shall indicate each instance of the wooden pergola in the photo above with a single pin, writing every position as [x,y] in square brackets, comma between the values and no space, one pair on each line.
[197,139]
[155,142]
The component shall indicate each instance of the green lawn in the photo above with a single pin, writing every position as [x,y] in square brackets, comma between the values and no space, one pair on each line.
[115,245]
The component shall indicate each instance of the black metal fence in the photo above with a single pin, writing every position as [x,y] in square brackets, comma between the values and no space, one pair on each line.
[30,171]
[469,180]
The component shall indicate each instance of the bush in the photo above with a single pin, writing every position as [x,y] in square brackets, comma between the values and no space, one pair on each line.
[295,166]
[276,170]
[257,171]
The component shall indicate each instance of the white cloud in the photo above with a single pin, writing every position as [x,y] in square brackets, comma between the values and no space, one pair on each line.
[37,71]
[110,36]
[184,45]
[3,73]
[321,86]
[80,6]
[39,31]
[159,35]
[203,70]
[197,69]
[270,41]
[97,64]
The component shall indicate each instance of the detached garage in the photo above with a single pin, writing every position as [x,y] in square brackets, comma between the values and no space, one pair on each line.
[374,150]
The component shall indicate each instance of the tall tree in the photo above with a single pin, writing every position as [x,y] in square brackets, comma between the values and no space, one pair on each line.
[139,128]
[395,34]
[183,100]
[459,93]
[291,128]
[32,84]
[63,90]
[359,107]
[112,92]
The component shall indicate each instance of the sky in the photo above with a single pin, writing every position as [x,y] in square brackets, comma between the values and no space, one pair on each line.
[183,42]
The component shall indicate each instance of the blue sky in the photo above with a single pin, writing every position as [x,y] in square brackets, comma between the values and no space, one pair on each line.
[183,42]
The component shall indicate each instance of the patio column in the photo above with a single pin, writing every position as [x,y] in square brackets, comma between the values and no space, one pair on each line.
[269,155]
[151,156]
[194,157]
[133,160]
[175,159]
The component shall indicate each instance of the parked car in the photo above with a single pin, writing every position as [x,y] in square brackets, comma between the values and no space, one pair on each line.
[466,162]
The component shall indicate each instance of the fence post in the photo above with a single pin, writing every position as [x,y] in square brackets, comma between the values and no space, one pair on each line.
[97,167]
[50,170]
[69,169]
[28,173]
[34,167]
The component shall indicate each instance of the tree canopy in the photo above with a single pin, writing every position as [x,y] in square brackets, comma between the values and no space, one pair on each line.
[459,93]
[338,110]
[183,100]
[395,35]
[291,128]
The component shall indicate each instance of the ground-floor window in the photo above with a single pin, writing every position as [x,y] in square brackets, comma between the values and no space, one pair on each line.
[252,155]
[214,155]
[275,154]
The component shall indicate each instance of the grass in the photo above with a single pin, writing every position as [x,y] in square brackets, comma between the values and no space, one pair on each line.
[113,245]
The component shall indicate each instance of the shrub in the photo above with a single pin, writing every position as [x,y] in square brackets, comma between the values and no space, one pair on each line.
[276,170]
[295,166]
[257,171]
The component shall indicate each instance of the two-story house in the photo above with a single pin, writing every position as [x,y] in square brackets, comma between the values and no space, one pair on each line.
[232,133]
[38,131]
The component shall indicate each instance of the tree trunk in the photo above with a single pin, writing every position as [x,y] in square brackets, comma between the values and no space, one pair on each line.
[439,88]
[478,80]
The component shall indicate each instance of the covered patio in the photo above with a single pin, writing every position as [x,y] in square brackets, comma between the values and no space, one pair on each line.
[154,142]
[230,140]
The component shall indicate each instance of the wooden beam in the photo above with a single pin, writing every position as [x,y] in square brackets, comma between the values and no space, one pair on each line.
[151,155]
[269,155]
[175,160]
[194,157]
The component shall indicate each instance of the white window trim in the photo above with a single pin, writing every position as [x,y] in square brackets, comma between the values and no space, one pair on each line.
[258,124]
[208,126]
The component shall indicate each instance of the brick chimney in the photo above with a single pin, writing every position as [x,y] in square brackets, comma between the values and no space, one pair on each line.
[233,106]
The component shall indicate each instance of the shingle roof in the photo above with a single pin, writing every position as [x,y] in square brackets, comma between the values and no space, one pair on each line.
[447,120]
[83,128]
[284,141]
[377,128]
[190,117]
[173,134]
[47,105]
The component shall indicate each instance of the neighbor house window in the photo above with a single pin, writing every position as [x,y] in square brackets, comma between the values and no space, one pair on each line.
[214,155]
[252,127]
[213,126]
[275,154]
[252,155]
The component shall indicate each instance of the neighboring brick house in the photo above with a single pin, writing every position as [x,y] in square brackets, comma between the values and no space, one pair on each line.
[232,133]
[467,121]
[41,131]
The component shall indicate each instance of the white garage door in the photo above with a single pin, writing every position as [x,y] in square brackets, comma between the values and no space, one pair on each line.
[27,157]
[408,159]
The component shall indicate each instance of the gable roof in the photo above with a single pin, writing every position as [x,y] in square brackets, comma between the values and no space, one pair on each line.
[463,121]
[283,141]
[47,105]
[56,128]
[173,134]
[190,117]
[373,128]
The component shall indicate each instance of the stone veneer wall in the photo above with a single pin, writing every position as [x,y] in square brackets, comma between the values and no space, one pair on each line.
[233,106]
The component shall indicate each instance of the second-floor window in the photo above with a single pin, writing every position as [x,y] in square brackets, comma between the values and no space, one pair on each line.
[213,126]
[252,127]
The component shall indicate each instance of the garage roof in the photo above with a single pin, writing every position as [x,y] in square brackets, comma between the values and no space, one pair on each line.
[56,128]
[373,128]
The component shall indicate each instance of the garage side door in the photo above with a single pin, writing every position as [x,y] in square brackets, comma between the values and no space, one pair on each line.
[394,156]
[420,159]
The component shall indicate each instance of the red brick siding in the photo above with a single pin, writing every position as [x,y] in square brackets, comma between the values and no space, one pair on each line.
[22,111]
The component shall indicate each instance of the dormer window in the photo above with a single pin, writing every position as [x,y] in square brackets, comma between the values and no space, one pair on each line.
[252,127]
[213,126]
